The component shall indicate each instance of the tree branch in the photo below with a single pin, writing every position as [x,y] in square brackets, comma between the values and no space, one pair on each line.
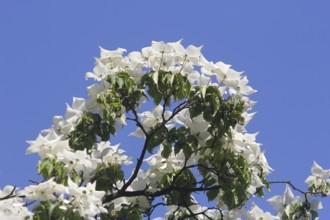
[10,195]
[289,183]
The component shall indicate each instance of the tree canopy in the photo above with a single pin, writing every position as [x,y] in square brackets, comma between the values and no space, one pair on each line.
[197,158]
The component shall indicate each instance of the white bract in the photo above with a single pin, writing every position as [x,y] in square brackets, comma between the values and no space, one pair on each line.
[108,154]
[12,208]
[257,214]
[319,177]
[150,119]
[43,191]
[86,200]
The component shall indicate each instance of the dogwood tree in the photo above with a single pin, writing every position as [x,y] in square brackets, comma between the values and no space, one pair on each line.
[197,158]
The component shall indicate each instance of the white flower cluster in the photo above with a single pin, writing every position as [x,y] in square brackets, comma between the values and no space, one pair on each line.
[286,203]
[86,200]
[53,143]
[319,181]
[13,207]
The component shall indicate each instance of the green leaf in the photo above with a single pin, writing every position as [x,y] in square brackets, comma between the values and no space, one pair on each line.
[285,217]
[105,177]
[195,111]
[155,94]
[157,138]
[187,150]
[165,78]
[260,192]
[46,168]
[212,194]
[144,80]
[213,90]
[134,216]
[177,148]
[215,103]
[167,150]
[229,198]
[208,116]
[314,214]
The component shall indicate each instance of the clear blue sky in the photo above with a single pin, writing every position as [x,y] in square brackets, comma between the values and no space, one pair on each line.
[283,46]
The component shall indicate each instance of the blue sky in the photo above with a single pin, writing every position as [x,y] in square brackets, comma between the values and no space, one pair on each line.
[283,47]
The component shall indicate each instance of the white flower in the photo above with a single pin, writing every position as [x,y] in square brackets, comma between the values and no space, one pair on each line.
[280,202]
[79,161]
[75,112]
[93,91]
[49,146]
[318,176]
[235,214]
[257,214]
[241,87]
[159,166]
[161,47]
[151,119]
[86,200]
[43,191]
[197,125]
[65,125]
[193,53]
[12,208]
[101,71]
[218,69]
[111,54]
[111,154]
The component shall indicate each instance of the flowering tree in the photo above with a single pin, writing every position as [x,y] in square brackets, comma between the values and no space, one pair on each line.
[195,145]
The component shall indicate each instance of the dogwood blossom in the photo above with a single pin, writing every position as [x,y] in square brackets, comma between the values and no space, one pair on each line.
[86,200]
[319,176]
[280,202]
[48,146]
[111,154]
[12,208]
[256,214]
[43,191]
[150,119]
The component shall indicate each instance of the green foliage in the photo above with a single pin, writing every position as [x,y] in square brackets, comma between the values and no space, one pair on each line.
[50,168]
[106,176]
[182,184]
[232,179]
[163,85]
[89,127]
[181,139]
[122,95]
[230,173]
[158,136]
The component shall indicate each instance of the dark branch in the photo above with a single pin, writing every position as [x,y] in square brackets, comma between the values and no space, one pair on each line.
[10,195]
[289,183]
